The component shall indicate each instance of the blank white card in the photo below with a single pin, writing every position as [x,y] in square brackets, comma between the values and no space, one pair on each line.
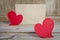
[32,13]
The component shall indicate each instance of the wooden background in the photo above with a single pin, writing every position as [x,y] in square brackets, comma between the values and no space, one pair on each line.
[53,7]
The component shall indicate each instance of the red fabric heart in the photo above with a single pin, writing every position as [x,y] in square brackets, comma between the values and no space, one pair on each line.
[14,19]
[45,30]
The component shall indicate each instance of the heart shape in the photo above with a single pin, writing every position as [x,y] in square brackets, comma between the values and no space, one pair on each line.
[45,30]
[14,19]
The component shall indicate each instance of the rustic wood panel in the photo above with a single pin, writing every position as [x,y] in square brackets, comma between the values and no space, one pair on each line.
[6,5]
[58,9]
[53,6]
[30,1]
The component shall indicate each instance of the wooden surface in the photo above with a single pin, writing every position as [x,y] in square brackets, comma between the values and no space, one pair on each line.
[26,36]
[4,27]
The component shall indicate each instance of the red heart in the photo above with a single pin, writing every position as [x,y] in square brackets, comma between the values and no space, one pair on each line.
[14,19]
[45,30]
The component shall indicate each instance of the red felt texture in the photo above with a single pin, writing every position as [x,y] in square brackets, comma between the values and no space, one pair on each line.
[14,19]
[45,30]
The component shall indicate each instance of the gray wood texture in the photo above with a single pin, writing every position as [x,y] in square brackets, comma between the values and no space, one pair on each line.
[27,36]
[53,7]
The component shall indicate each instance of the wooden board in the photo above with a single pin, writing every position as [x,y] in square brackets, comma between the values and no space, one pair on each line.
[32,13]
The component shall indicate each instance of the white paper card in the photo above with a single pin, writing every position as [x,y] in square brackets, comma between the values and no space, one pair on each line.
[32,13]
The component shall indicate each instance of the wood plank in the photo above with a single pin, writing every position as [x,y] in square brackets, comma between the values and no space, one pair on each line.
[4,27]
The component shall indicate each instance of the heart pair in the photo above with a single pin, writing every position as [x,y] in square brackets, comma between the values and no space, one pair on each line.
[42,30]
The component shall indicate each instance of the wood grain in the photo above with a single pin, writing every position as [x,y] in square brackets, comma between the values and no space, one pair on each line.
[52,9]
